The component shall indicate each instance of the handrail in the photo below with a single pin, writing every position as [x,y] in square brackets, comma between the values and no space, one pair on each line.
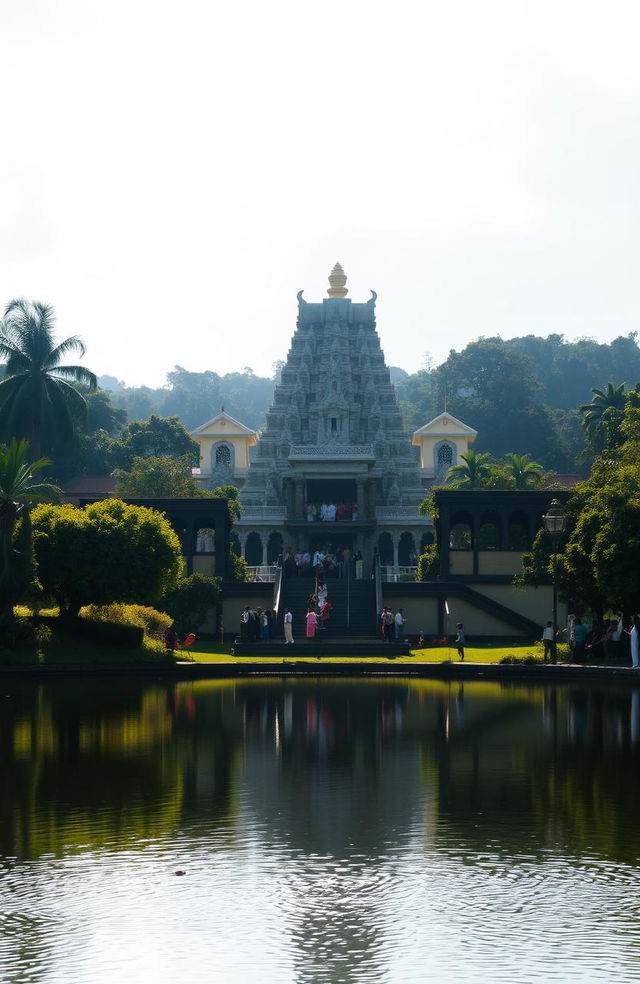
[378,584]
[277,586]
[393,573]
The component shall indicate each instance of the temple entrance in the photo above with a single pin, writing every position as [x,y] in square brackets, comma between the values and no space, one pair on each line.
[330,500]
[329,541]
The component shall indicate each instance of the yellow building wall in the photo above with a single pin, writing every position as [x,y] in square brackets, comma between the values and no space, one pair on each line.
[499,562]
[204,564]
[534,603]
[427,444]
[461,562]
[240,447]
[421,614]
[477,622]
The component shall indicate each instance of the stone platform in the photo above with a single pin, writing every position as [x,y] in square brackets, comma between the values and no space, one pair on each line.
[356,647]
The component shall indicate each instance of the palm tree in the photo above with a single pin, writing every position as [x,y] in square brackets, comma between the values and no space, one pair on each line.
[474,473]
[526,474]
[601,418]
[18,494]
[37,400]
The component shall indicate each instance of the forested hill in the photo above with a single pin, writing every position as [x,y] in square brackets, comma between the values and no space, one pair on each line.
[520,395]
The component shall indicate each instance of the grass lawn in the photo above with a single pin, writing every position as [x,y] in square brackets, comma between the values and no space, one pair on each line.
[210,651]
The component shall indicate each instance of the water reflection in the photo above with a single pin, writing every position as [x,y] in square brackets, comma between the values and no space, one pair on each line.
[349,825]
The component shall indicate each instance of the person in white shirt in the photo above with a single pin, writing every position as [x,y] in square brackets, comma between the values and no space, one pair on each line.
[549,642]
[399,620]
[288,626]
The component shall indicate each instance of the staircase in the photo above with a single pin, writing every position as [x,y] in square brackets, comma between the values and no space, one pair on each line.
[352,629]
[353,611]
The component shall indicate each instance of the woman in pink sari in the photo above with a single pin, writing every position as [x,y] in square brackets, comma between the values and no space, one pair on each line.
[311,623]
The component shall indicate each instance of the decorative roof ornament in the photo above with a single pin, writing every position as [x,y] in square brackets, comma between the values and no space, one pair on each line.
[337,281]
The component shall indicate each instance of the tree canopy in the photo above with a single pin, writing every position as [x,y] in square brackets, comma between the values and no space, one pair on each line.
[19,493]
[37,399]
[599,557]
[109,551]
[159,476]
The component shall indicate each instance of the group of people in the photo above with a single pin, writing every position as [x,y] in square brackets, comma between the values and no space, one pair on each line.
[341,562]
[606,639]
[318,609]
[330,512]
[257,624]
[392,626]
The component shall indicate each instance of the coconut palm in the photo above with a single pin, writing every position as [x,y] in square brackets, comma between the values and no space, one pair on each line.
[18,494]
[526,474]
[473,472]
[37,400]
[601,418]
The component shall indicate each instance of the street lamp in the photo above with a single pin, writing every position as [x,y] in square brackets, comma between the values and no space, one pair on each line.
[554,522]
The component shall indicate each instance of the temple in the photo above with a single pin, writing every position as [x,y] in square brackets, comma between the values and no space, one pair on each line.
[334,439]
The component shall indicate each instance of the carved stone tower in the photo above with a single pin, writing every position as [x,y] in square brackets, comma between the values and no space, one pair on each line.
[334,436]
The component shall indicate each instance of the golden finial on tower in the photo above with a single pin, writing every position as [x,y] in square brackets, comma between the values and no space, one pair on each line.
[337,281]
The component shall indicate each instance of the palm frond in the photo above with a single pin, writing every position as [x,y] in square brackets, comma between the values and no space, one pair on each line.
[71,344]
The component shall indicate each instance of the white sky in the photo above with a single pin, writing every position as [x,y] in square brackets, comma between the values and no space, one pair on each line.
[171,174]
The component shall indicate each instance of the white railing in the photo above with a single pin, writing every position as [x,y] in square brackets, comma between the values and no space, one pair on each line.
[266,572]
[393,574]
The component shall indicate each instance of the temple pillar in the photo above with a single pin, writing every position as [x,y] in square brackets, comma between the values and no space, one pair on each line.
[242,537]
[360,498]
[396,541]
[371,505]
[299,498]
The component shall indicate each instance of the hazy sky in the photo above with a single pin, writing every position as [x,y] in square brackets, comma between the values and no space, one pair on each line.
[171,174]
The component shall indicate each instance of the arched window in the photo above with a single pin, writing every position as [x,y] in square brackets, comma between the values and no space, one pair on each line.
[407,550]
[223,456]
[253,550]
[445,457]
[206,540]
[385,548]
[426,540]
[274,547]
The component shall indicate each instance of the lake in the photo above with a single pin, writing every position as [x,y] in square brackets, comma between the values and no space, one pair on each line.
[318,831]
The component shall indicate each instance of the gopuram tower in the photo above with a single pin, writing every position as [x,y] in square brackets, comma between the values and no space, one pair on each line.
[334,439]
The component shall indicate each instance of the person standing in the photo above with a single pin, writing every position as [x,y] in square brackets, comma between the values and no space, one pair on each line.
[460,641]
[264,626]
[244,624]
[386,623]
[288,627]
[580,633]
[311,621]
[635,642]
[549,643]
[399,621]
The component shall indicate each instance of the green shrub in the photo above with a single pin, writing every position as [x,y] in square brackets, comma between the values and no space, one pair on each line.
[428,564]
[529,660]
[152,622]
[191,601]
[117,634]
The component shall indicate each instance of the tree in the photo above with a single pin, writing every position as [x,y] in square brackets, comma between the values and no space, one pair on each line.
[161,476]
[154,438]
[597,567]
[474,472]
[18,495]
[37,400]
[602,417]
[191,601]
[107,552]
[526,474]
[238,566]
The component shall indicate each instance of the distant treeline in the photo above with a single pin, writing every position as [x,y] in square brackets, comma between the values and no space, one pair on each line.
[520,395]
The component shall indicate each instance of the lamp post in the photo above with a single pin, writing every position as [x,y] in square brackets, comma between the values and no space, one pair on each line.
[554,522]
